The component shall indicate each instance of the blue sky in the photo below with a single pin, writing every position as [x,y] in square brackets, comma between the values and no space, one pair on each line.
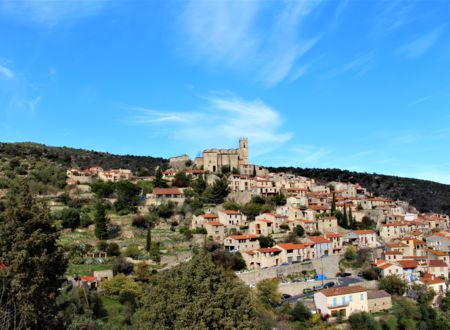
[359,85]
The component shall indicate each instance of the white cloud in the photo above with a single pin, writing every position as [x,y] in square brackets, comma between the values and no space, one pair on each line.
[5,71]
[357,67]
[231,33]
[50,13]
[420,45]
[219,123]
[310,155]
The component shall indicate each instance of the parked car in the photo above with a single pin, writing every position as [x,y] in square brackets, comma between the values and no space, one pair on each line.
[343,274]
[296,280]
[285,296]
[329,285]
[318,287]
[308,290]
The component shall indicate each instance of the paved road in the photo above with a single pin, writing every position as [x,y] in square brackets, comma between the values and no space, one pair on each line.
[343,281]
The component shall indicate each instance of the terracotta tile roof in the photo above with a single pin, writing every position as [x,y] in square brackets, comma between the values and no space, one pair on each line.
[408,263]
[214,223]
[291,246]
[250,236]
[363,231]
[437,263]
[88,278]
[343,290]
[209,216]
[333,235]
[167,191]
[250,252]
[268,250]
[265,220]
[385,266]
[432,280]
[230,212]
[318,239]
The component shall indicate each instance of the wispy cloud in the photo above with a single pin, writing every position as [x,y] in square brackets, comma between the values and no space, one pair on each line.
[310,155]
[5,71]
[230,33]
[356,67]
[420,45]
[50,12]
[220,121]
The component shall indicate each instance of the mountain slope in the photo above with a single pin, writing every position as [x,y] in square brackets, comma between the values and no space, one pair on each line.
[426,196]
[71,157]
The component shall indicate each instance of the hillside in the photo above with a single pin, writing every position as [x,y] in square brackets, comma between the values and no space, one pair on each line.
[71,157]
[426,196]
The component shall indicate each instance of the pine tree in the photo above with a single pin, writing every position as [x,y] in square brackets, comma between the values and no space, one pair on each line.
[345,218]
[333,205]
[101,222]
[35,263]
[159,182]
[148,243]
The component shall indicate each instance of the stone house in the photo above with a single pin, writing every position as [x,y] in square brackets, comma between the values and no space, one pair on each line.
[215,230]
[241,242]
[379,300]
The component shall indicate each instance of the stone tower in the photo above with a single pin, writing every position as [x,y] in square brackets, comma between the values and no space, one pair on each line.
[243,151]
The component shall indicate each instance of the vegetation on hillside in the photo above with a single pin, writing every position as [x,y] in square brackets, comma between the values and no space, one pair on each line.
[71,157]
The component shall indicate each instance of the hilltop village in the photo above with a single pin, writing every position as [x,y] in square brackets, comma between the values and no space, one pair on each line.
[334,242]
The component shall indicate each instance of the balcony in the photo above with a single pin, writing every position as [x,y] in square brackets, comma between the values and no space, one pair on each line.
[339,305]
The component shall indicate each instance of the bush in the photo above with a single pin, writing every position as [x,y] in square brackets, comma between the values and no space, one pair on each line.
[70,218]
[85,220]
[121,266]
[186,232]
[102,246]
[393,284]
[300,312]
[113,249]
[132,251]
[363,321]
[370,274]
[139,221]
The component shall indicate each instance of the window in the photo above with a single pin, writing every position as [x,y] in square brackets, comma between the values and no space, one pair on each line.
[350,298]
[343,300]
[361,296]
[334,301]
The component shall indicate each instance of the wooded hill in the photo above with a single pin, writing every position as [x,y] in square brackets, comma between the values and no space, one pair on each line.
[426,196]
[71,157]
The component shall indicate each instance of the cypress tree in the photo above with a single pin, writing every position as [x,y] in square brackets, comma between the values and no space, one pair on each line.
[333,205]
[34,263]
[148,243]
[345,218]
[101,222]
[351,218]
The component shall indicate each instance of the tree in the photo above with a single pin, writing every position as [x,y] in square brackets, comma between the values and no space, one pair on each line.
[148,240]
[299,231]
[445,303]
[227,260]
[199,185]
[363,321]
[159,182]
[35,262]
[300,312]
[101,222]
[333,205]
[267,292]
[113,249]
[121,266]
[345,218]
[216,193]
[352,220]
[393,284]
[127,196]
[155,253]
[196,295]
[181,179]
[70,218]
[367,223]
[279,199]
[266,241]
[422,294]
